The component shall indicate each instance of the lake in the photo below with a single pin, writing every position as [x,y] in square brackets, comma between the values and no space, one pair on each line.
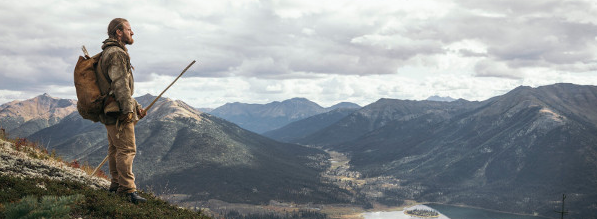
[449,212]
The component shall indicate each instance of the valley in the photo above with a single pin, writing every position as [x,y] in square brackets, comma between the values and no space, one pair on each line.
[369,190]
[377,192]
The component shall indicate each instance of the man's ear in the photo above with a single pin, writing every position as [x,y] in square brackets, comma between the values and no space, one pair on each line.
[119,33]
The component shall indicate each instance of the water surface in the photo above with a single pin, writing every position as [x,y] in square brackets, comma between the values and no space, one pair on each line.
[449,212]
[455,212]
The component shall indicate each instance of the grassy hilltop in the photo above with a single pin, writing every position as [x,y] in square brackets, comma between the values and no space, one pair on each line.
[36,184]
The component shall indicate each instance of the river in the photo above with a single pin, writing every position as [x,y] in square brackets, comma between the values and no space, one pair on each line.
[449,212]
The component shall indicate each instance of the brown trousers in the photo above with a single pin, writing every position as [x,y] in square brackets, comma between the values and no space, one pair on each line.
[121,152]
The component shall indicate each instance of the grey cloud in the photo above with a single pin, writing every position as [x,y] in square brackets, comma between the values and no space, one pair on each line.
[516,7]
[258,34]
[551,40]
[489,68]
[253,41]
[518,41]
[470,53]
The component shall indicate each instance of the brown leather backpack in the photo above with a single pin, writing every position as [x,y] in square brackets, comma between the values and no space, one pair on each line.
[90,102]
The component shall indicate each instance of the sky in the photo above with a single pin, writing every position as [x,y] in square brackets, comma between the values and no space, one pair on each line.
[327,51]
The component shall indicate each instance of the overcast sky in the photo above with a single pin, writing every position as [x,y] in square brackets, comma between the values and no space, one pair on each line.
[327,51]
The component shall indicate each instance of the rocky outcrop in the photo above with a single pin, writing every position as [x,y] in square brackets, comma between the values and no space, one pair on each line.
[20,164]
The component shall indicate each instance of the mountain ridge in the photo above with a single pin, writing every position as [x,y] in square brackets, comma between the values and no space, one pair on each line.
[261,118]
[22,118]
[203,156]
[377,114]
[516,152]
[302,128]
[523,144]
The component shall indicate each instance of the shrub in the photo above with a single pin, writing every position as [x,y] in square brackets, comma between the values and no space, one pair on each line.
[49,207]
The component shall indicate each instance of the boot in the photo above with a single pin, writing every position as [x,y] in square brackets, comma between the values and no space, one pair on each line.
[136,198]
[113,188]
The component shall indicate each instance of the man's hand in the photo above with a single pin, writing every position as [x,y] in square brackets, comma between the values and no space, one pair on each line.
[141,113]
[126,118]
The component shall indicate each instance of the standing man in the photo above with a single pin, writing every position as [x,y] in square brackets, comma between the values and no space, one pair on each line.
[121,110]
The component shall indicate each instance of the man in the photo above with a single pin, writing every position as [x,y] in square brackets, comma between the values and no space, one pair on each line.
[121,111]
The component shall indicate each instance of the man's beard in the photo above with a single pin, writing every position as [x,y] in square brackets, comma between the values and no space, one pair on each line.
[128,40]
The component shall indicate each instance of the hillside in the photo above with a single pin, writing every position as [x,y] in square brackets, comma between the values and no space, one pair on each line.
[22,118]
[517,152]
[380,113]
[203,157]
[302,128]
[27,174]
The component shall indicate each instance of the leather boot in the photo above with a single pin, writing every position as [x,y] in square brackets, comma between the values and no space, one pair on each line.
[136,198]
[113,188]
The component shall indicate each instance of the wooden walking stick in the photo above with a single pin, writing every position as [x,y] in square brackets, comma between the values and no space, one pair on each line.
[147,109]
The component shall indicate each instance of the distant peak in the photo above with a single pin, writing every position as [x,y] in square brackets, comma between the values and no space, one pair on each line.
[298,99]
[45,95]
[347,105]
[522,87]
[148,95]
[442,99]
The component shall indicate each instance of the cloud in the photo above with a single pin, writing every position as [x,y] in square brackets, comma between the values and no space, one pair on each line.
[529,34]
[326,50]
[488,68]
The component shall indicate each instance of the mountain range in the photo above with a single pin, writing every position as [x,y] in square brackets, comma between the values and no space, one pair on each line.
[261,118]
[23,118]
[379,114]
[203,157]
[517,152]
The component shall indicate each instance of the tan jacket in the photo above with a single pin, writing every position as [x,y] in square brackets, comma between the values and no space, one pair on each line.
[115,78]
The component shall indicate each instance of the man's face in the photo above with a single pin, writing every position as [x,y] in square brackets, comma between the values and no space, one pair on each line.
[126,35]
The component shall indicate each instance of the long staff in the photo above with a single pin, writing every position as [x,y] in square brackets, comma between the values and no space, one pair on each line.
[147,109]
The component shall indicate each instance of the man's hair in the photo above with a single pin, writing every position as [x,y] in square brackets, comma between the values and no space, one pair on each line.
[115,24]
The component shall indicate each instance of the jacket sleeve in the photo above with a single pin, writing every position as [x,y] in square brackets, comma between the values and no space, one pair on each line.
[139,106]
[118,72]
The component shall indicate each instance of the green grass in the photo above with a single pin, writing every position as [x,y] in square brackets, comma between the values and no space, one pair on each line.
[95,203]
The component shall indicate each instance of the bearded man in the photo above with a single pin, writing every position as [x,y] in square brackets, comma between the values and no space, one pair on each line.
[121,110]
